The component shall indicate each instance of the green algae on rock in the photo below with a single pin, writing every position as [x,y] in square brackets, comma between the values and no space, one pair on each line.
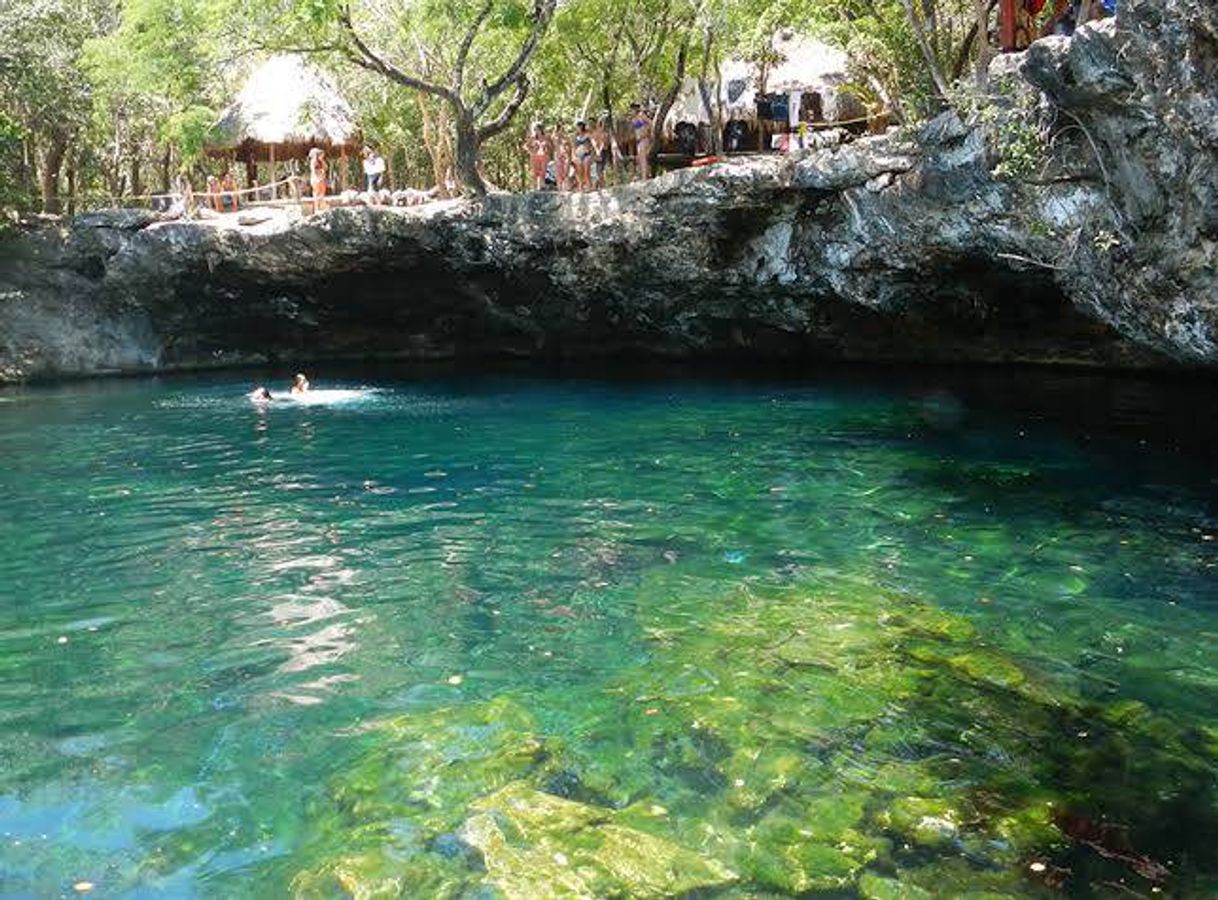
[412,789]
[809,736]
[875,887]
[535,846]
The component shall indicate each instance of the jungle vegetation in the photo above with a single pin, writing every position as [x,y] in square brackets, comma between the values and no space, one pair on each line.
[108,99]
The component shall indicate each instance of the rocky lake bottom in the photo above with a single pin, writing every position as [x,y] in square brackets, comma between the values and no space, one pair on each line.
[863,634]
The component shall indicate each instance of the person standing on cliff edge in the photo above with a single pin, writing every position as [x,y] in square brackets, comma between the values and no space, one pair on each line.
[537,146]
[640,125]
[317,177]
[374,169]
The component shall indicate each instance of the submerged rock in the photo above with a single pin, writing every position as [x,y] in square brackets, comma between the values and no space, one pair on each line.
[815,736]
[923,821]
[873,887]
[539,846]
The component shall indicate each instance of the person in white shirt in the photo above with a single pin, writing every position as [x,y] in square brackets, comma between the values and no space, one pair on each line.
[374,168]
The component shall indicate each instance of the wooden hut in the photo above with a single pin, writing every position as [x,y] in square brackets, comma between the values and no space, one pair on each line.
[286,108]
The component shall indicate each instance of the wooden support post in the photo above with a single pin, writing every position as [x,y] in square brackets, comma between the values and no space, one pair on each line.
[251,167]
[342,168]
[274,178]
[1008,25]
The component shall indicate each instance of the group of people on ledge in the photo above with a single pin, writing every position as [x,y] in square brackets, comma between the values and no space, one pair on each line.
[586,158]
[222,193]
[373,194]
[374,170]
[300,385]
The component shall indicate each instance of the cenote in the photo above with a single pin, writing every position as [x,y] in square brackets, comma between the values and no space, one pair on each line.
[857,635]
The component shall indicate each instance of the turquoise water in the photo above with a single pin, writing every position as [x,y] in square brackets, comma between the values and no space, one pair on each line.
[509,636]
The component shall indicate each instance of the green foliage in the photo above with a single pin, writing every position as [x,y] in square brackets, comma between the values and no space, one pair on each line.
[155,72]
[11,137]
[1017,140]
[189,130]
[112,90]
[43,90]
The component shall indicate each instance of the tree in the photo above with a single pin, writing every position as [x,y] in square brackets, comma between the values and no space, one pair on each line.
[470,55]
[909,52]
[155,79]
[617,51]
[101,98]
[43,88]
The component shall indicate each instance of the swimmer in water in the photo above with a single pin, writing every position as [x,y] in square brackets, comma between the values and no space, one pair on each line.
[301,384]
[260,395]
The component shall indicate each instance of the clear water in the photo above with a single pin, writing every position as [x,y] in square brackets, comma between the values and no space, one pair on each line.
[841,638]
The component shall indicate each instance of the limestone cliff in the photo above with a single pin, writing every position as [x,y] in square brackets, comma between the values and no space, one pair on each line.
[914,245]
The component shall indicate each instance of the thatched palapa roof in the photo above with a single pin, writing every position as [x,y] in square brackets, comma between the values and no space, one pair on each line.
[806,65]
[287,104]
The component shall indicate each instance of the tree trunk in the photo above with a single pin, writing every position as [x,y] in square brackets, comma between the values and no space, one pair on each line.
[928,54]
[980,33]
[763,76]
[48,178]
[889,99]
[137,179]
[466,156]
[25,175]
[713,113]
[435,141]
[72,187]
[712,109]
[166,165]
[657,125]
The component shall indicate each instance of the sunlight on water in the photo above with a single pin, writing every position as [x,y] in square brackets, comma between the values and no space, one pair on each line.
[472,637]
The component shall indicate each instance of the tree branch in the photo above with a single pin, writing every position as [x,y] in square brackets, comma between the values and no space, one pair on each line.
[965,48]
[365,57]
[543,11]
[466,43]
[928,54]
[501,121]
[670,98]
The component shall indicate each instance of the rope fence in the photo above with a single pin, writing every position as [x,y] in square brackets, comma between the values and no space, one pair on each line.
[210,194]
[207,196]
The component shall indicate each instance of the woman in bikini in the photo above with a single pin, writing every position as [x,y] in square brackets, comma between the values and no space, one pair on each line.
[317,177]
[562,158]
[537,146]
[213,193]
[600,148]
[228,193]
[641,126]
[583,156]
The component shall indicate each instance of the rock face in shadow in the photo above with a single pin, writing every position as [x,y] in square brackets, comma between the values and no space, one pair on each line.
[910,246]
[1135,105]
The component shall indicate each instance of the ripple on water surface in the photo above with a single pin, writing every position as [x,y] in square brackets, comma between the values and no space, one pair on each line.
[601,639]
